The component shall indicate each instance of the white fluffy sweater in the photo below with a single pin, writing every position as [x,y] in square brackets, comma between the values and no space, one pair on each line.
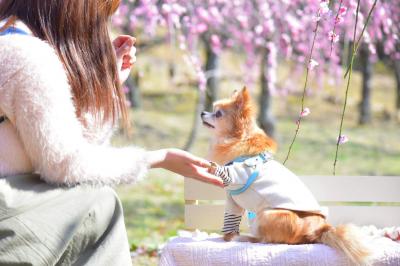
[43,134]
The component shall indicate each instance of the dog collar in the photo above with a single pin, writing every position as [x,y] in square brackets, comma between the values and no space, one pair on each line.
[264,156]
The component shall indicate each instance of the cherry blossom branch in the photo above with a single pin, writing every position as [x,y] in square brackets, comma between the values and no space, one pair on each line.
[362,33]
[333,36]
[310,65]
[342,138]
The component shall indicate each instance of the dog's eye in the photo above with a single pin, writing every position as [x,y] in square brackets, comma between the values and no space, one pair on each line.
[218,114]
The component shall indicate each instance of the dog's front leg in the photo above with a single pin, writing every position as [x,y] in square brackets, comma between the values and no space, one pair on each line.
[229,236]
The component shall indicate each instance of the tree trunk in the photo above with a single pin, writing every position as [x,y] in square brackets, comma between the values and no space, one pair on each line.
[196,121]
[211,68]
[396,64]
[267,82]
[171,71]
[366,69]
[134,95]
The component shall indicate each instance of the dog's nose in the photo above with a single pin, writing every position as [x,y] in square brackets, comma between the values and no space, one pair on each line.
[203,113]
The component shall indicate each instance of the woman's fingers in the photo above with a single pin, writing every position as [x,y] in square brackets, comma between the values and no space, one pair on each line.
[123,50]
[122,39]
[200,162]
[208,178]
[128,57]
[202,174]
[132,52]
[124,46]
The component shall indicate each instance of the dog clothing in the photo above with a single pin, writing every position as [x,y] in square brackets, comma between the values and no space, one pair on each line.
[260,183]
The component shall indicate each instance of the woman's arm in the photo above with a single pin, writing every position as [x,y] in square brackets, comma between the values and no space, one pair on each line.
[183,163]
[44,115]
[175,160]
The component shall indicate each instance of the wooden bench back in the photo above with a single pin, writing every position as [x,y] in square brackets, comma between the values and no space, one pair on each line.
[362,200]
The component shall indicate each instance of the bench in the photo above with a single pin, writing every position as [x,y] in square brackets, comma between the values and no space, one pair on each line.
[361,200]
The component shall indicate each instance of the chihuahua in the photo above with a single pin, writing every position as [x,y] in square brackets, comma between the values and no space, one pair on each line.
[280,207]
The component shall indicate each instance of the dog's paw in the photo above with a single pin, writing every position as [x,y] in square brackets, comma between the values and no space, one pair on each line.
[245,238]
[228,237]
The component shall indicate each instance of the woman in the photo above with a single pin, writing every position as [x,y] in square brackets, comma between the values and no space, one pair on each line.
[60,95]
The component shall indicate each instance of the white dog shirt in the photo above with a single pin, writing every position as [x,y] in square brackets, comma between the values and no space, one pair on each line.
[260,183]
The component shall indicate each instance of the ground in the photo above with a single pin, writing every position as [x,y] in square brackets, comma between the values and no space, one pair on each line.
[154,207]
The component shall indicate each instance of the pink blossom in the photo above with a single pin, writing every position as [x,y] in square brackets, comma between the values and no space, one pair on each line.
[125,89]
[166,8]
[203,14]
[216,43]
[342,11]
[324,7]
[343,139]
[312,64]
[317,18]
[200,28]
[259,29]
[339,20]
[306,111]
[333,37]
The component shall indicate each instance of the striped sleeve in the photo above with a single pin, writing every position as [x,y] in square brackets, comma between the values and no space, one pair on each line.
[231,223]
[223,173]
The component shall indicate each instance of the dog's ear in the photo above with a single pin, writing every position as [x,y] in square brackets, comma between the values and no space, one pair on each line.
[243,97]
[235,94]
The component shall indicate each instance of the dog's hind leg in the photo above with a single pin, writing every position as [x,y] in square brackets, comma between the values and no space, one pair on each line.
[278,226]
[289,227]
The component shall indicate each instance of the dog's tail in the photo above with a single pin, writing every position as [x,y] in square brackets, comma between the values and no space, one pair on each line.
[347,239]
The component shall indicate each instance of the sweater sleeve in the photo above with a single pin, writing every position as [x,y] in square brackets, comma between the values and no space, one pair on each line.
[233,215]
[230,174]
[223,173]
[44,116]
[233,212]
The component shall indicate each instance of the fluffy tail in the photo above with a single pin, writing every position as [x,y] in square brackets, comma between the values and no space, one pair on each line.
[347,239]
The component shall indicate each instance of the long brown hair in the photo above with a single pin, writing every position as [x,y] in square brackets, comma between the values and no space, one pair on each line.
[78,31]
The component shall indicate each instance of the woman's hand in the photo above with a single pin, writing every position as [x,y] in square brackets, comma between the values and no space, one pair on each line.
[126,55]
[183,163]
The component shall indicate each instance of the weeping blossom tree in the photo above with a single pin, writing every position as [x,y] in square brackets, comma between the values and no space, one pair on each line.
[313,34]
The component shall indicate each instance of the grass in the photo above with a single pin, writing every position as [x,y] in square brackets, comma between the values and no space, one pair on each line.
[154,207]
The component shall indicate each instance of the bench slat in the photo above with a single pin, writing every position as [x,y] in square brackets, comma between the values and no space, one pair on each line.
[325,188]
[210,217]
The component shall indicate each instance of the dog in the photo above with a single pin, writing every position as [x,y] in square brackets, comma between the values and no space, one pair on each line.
[281,208]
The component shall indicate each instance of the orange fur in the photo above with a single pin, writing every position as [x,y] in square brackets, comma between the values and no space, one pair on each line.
[237,134]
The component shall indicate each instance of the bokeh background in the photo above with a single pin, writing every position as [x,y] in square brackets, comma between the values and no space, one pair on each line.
[191,53]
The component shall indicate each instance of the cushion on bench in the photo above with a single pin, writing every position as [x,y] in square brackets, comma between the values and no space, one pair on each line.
[213,251]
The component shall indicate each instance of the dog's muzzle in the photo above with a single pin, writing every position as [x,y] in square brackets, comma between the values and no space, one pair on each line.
[207,119]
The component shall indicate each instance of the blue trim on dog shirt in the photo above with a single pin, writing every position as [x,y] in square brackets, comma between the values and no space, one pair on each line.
[265,156]
[13,30]
[251,215]
[250,181]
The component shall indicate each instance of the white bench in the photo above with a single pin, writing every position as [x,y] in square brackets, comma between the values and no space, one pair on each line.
[361,200]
